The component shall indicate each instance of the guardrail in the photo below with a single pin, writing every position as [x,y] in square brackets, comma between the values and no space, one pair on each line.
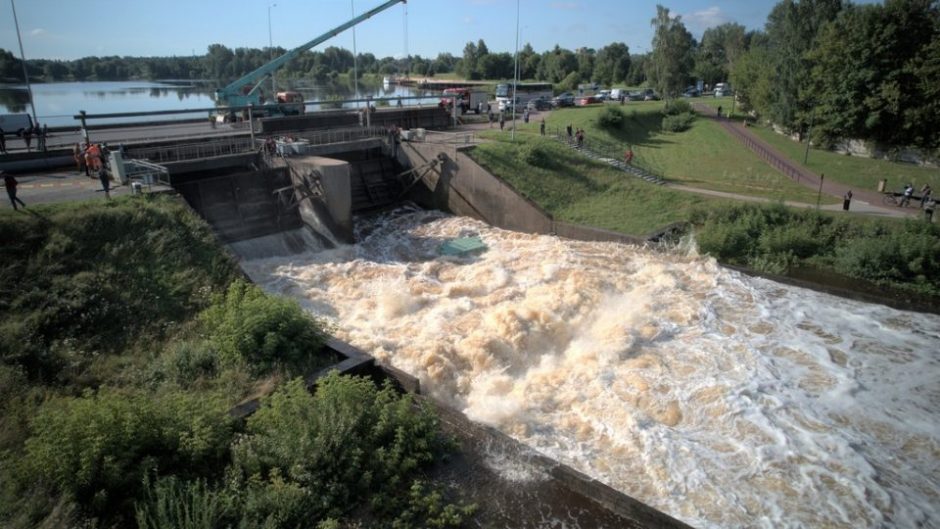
[604,149]
[765,154]
[192,151]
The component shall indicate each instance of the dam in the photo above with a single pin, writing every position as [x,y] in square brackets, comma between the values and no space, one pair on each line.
[721,399]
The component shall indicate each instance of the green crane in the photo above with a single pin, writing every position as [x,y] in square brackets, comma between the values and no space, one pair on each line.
[247,89]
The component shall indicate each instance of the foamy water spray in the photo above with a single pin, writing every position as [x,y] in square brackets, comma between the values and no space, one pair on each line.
[723,400]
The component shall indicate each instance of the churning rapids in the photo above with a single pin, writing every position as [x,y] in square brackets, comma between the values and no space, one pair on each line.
[724,400]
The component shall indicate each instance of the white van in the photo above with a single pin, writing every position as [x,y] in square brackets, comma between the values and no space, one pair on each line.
[617,93]
[15,124]
[722,89]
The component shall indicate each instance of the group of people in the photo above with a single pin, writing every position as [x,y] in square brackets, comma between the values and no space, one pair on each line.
[92,159]
[927,201]
[41,133]
[578,136]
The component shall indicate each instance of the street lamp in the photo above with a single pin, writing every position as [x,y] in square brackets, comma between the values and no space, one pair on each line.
[515,78]
[352,7]
[271,53]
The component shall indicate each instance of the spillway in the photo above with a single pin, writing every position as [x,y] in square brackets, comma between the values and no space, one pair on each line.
[721,399]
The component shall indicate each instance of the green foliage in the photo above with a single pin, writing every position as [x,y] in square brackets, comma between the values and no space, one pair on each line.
[611,117]
[348,439]
[249,328]
[170,503]
[678,122]
[427,508]
[677,106]
[83,279]
[903,255]
[95,448]
[670,65]
[570,82]
[536,154]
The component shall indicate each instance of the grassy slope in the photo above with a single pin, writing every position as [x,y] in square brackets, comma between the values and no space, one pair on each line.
[576,189]
[704,156]
[863,173]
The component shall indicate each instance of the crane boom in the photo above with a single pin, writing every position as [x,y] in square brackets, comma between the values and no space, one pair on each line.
[245,90]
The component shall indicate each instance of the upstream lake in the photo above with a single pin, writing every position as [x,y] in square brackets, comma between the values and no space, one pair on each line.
[58,103]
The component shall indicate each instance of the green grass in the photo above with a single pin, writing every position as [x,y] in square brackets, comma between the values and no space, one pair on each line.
[579,190]
[704,156]
[862,173]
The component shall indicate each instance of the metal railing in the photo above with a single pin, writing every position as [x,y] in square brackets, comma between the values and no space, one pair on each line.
[191,151]
[765,154]
[602,149]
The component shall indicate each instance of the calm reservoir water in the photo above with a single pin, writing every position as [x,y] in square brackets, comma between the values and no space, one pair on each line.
[724,400]
[57,103]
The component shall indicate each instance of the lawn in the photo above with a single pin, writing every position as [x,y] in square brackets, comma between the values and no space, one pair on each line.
[863,173]
[576,189]
[704,156]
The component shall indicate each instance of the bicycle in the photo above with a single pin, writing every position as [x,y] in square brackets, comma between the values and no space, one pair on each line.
[891,199]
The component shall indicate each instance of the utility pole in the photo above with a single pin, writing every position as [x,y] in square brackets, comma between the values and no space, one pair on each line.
[271,56]
[515,78]
[352,7]
[812,121]
[29,88]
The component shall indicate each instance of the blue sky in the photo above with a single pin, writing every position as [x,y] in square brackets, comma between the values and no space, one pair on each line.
[69,29]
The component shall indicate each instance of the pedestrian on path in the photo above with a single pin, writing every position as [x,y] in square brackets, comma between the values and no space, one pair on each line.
[502,121]
[542,127]
[719,111]
[44,137]
[906,196]
[28,137]
[105,179]
[628,156]
[3,142]
[10,183]
[928,209]
[925,193]
[568,130]
[491,117]
[847,200]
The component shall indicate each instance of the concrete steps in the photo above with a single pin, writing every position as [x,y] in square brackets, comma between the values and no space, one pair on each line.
[633,170]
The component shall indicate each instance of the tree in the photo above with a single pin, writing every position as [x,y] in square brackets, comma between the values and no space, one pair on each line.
[557,65]
[721,46]
[638,65]
[792,29]
[671,61]
[869,79]
[612,64]
[467,67]
[585,63]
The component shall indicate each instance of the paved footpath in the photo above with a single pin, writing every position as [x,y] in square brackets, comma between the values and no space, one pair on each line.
[862,199]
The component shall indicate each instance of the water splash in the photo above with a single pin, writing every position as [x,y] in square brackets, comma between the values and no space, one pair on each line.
[724,400]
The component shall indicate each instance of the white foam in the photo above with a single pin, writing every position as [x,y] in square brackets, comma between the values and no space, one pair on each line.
[724,400]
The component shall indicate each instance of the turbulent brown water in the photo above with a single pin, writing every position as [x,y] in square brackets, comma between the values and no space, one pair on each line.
[723,400]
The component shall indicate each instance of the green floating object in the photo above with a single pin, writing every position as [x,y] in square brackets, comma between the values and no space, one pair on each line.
[462,246]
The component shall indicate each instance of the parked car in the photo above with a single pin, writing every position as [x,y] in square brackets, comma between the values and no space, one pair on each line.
[722,90]
[539,103]
[15,124]
[634,96]
[603,95]
[565,99]
[650,95]
[691,91]
[587,100]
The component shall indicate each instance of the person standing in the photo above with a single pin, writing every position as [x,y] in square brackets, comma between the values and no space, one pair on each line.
[568,131]
[925,193]
[44,135]
[928,209]
[3,142]
[491,117]
[525,116]
[502,121]
[10,183]
[542,127]
[719,111]
[628,156]
[906,196]
[105,179]
[28,137]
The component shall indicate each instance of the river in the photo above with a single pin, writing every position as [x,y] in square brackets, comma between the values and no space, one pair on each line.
[57,103]
[721,399]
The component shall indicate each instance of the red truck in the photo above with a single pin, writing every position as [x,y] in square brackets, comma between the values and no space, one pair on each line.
[467,99]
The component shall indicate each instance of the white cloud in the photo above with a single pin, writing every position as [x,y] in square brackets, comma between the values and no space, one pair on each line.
[468,20]
[37,32]
[699,21]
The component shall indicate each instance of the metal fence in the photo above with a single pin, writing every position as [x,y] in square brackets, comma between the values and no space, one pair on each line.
[191,151]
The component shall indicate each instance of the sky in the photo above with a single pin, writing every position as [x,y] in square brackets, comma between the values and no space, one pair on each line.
[70,29]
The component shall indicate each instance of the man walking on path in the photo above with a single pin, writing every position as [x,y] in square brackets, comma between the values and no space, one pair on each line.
[3,142]
[105,182]
[10,183]
[502,121]
[928,209]
[542,127]
[28,137]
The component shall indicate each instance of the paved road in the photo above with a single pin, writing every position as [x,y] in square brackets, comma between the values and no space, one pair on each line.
[134,134]
[65,186]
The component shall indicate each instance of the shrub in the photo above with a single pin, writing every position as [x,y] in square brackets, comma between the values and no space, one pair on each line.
[170,503]
[675,107]
[678,122]
[611,118]
[348,439]
[250,328]
[96,448]
[536,154]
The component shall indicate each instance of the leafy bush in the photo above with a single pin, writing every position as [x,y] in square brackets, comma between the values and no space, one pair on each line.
[536,153]
[675,107]
[96,448]
[611,117]
[192,360]
[249,328]
[347,440]
[170,503]
[89,278]
[678,122]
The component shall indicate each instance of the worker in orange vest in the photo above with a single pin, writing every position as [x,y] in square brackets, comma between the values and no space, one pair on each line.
[93,157]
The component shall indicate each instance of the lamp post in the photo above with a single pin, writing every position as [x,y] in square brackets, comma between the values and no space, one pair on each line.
[515,78]
[352,7]
[812,121]
[271,53]
[29,88]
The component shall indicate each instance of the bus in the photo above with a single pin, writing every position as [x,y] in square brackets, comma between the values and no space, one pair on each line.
[525,92]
